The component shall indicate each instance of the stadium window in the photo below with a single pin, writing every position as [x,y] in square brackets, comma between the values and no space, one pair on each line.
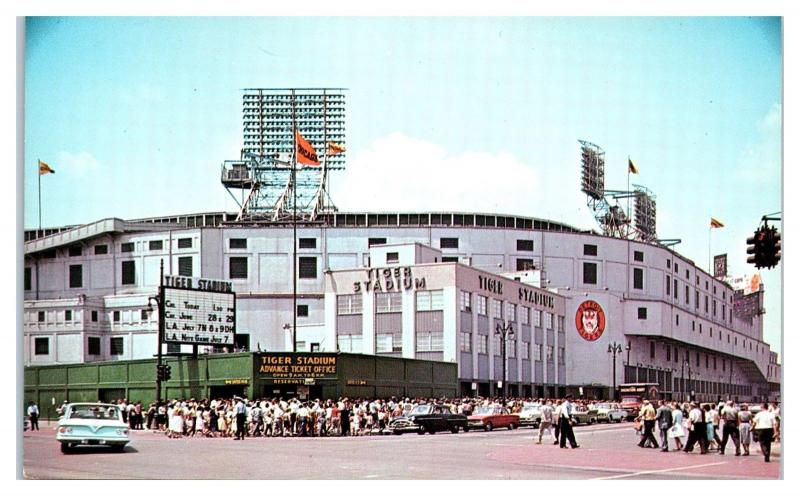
[128,272]
[237,243]
[144,315]
[638,256]
[27,279]
[94,315]
[669,264]
[307,267]
[669,353]
[524,245]
[590,250]
[184,242]
[524,264]
[307,243]
[465,302]
[115,315]
[237,267]
[185,266]
[126,247]
[589,273]
[156,245]
[376,241]
[449,259]
[75,251]
[638,278]
[642,313]
[41,346]
[448,243]
[393,257]
[302,310]
[117,346]
[686,294]
[669,286]
[677,320]
[68,315]
[652,349]
[100,250]
[697,299]
[94,346]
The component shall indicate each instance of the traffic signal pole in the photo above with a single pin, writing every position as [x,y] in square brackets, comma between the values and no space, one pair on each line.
[160,333]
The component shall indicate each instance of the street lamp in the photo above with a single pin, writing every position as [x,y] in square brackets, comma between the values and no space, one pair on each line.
[683,383]
[615,348]
[505,331]
[159,299]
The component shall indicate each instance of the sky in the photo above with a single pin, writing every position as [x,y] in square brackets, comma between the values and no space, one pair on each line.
[136,115]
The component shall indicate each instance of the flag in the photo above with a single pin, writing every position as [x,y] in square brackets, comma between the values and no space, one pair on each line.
[334,148]
[45,169]
[305,152]
[632,167]
[715,223]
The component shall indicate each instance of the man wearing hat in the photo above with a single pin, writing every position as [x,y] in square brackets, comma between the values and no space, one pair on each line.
[565,421]
[730,427]
[648,415]
[241,418]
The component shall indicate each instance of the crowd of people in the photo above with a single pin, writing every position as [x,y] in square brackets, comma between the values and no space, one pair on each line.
[700,425]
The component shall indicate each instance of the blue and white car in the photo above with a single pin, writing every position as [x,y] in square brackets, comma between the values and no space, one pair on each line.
[92,424]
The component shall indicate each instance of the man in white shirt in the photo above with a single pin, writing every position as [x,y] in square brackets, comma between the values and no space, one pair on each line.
[546,421]
[33,416]
[241,418]
[764,424]
[566,424]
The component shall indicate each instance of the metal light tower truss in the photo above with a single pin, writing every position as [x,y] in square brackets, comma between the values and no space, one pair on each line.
[644,214]
[612,218]
[263,173]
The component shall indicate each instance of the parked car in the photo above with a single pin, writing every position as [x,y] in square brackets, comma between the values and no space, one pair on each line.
[610,412]
[92,424]
[530,415]
[582,415]
[491,417]
[430,419]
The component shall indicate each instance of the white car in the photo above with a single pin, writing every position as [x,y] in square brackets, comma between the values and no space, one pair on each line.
[530,415]
[92,424]
[610,412]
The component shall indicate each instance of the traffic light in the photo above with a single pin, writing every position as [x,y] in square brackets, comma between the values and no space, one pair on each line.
[756,247]
[160,372]
[773,247]
[167,372]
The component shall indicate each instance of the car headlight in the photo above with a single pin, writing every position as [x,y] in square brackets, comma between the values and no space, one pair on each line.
[122,432]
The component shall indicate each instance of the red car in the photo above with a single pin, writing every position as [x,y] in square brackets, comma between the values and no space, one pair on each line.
[491,417]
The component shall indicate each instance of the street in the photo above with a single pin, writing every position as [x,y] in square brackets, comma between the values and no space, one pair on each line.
[606,452]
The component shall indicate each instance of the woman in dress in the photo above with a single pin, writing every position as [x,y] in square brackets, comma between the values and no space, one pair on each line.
[176,423]
[745,417]
[677,432]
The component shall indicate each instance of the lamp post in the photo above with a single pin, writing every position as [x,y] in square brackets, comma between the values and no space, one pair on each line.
[683,383]
[505,331]
[159,299]
[614,348]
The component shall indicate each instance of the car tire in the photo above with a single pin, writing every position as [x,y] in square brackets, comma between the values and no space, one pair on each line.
[454,429]
[66,448]
[488,427]
[421,430]
[466,428]
[118,448]
[396,433]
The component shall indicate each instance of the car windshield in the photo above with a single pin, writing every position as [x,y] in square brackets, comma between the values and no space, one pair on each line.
[530,408]
[604,406]
[420,410]
[484,410]
[94,412]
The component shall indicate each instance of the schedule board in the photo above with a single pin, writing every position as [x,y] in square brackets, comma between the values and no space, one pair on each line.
[193,316]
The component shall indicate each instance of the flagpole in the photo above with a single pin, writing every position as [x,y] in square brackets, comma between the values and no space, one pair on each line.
[629,190]
[40,199]
[294,230]
[709,249]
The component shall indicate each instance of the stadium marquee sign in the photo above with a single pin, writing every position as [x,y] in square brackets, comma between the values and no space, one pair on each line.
[198,311]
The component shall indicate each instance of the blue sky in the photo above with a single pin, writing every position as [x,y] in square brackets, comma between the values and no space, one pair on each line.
[136,115]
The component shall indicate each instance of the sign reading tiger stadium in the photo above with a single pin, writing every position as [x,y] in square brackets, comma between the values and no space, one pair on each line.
[292,368]
[198,311]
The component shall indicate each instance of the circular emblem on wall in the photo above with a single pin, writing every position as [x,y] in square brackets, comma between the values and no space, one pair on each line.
[590,320]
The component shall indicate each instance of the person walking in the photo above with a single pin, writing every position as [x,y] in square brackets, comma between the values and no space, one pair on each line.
[33,415]
[565,422]
[240,410]
[697,432]
[648,415]
[764,423]
[677,430]
[557,421]
[730,427]
[546,421]
[664,421]
[745,418]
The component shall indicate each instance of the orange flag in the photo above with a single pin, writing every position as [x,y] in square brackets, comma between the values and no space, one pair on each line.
[334,148]
[45,169]
[716,224]
[305,152]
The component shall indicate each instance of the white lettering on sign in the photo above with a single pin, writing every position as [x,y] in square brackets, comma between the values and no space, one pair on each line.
[198,284]
[199,317]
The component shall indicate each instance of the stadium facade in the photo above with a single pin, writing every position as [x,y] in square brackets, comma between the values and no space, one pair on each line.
[87,290]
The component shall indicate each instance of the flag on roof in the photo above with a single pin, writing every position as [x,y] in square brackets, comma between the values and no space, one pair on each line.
[715,223]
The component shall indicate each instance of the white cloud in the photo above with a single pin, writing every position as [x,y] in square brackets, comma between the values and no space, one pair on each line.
[764,153]
[399,172]
[77,163]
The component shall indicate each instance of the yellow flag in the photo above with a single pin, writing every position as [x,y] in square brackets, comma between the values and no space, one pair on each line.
[45,169]
[632,167]
[334,148]
[715,223]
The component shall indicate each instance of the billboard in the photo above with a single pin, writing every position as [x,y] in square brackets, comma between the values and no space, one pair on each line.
[198,311]
[296,368]
[721,266]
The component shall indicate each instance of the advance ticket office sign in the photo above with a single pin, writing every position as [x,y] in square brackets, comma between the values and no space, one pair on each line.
[198,311]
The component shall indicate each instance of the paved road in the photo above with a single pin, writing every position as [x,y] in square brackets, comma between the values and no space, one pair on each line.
[607,452]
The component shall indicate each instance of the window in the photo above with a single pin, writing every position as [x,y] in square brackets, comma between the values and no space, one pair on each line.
[524,315]
[184,243]
[675,289]
[686,294]
[27,279]
[669,287]
[524,245]
[237,267]
[144,315]
[481,305]
[41,346]
[349,304]
[94,315]
[126,247]
[537,318]
[156,245]
[561,356]
[430,340]
[384,343]
[706,305]
[117,346]
[693,326]
[560,323]
[388,302]
[638,256]
[465,341]
[465,301]
[497,309]
[525,264]
[697,359]
[376,241]
[652,349]
[94,346]
[449,259]
[548,320]
[525,350]
[676,268]
[706,360]
[675,354]
[185,266]
[307,243]
[590,250]
[511,348]
[302,310]
[669,264]
[237,243]
[714,307]
[687,274]
[642,312]
[393,257]
[638,278]
[483,344]
[448,243]
[115,316]
[549,354]
[68,315]
[537,352]
[75,251]
[677,321]
[101,250]
[129,272]
[430,300]
[511,311]
[714,363]
[314,347]
[589,273]
[697,299]
[307,267]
